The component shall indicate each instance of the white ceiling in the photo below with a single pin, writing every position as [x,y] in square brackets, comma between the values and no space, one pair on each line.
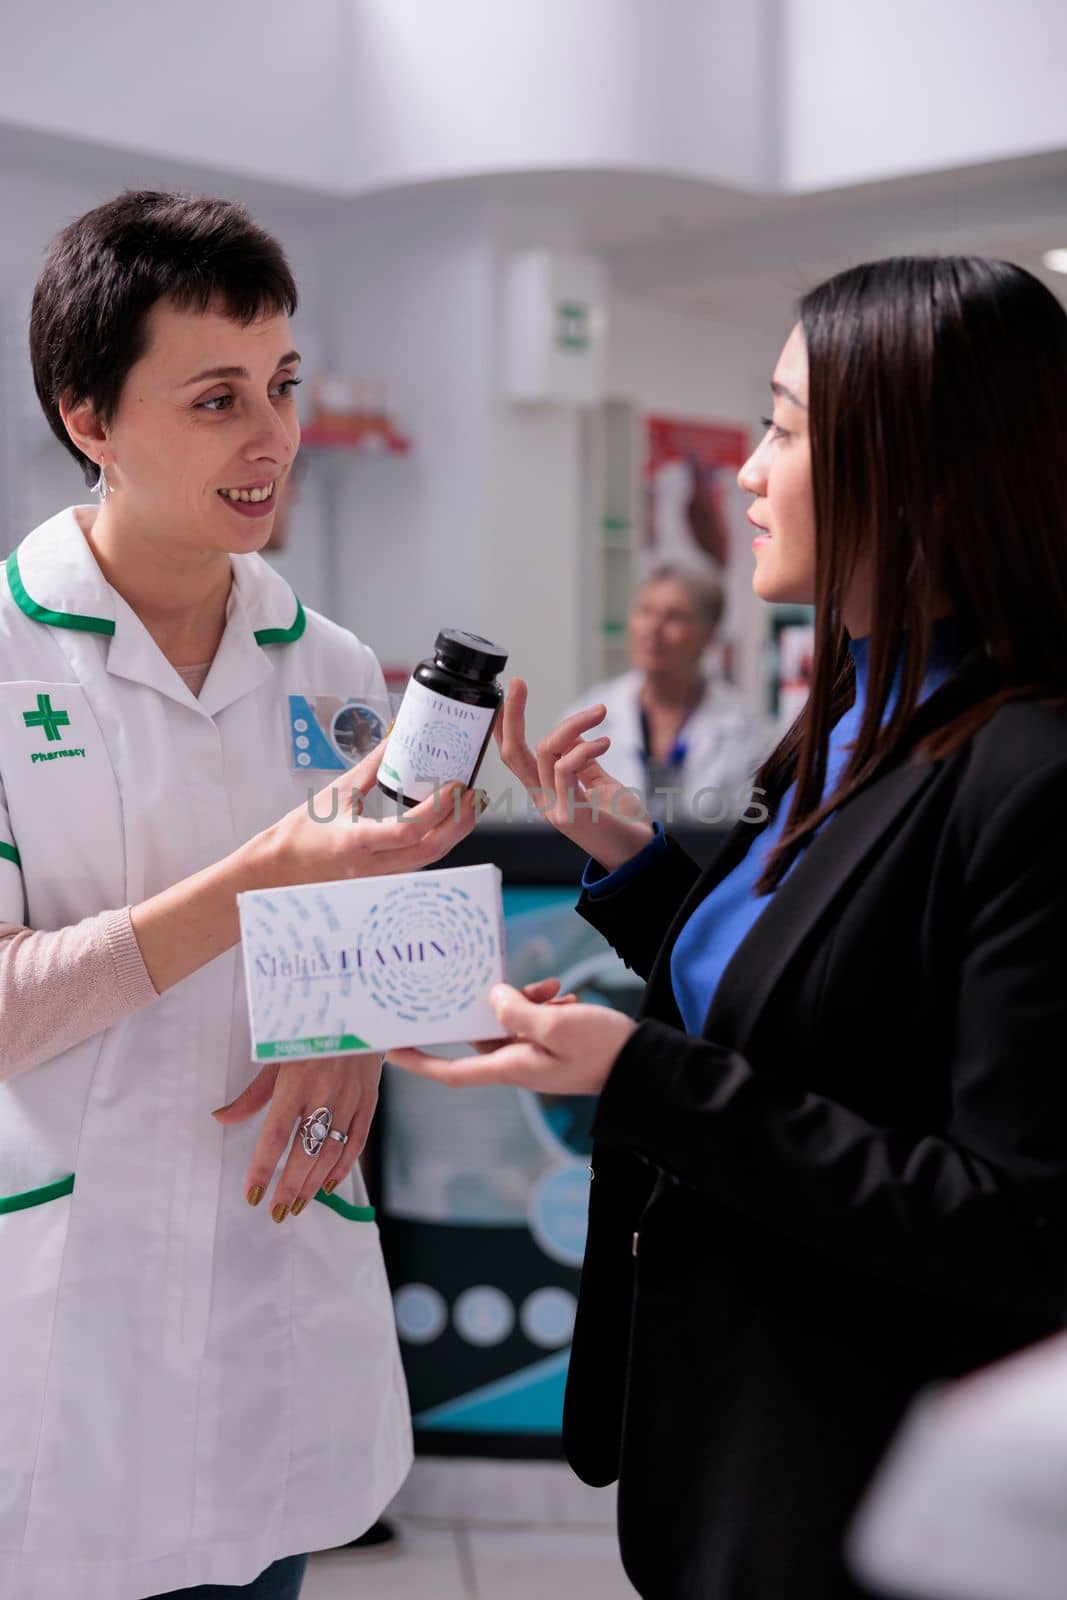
[710,250]
[696,246]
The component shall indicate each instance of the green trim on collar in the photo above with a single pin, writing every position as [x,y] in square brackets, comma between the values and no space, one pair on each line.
[55,619]
[72,619]
[284,635]
[36,1197]
[345,1209]
[9,853]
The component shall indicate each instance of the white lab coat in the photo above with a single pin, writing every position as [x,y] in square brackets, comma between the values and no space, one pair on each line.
[189,1391]
[968,1503]
[724,746]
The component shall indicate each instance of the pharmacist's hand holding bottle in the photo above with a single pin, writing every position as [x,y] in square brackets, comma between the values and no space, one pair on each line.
[327,837]
[581,800]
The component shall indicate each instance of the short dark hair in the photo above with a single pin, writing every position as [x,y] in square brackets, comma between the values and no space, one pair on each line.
[104,273]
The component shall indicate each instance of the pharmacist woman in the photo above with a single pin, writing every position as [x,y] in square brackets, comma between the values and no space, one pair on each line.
[200,1377]
[830,1157]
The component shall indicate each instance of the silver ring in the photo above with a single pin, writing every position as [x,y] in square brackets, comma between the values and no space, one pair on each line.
[314,1129]
[342,1138]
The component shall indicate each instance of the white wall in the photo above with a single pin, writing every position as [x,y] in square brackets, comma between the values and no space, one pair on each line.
[249,86]
[710,368]
[350,96]
[353,96]
[479,527]
[481,86]
[411,294]
[874,91]
[534,537]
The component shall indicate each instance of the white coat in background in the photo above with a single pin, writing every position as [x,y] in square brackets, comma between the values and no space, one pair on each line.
[969,1502]
[724,746]
[189,1390]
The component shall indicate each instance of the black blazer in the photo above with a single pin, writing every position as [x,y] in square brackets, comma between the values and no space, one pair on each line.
[854,1181]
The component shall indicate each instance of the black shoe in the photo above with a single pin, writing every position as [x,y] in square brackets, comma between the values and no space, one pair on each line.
[377,1534]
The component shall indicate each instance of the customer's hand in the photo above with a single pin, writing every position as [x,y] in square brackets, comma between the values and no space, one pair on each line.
[328,837]
[576,796]
[554,1049]
[543,991]
[291,1090]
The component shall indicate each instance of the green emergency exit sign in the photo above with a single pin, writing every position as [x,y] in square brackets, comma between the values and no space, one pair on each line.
[572,325]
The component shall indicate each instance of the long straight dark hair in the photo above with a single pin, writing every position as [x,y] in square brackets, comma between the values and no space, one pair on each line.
[938,433]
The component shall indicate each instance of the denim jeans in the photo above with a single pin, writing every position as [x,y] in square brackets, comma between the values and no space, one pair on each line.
[281,1581]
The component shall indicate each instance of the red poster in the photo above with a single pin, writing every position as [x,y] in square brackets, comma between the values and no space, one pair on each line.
[691,500]
[695,512]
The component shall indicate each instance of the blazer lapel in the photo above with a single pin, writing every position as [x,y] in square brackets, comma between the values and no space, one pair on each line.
[831,862]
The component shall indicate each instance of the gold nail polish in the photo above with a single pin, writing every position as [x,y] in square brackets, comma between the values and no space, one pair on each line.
[280,1213]
[298,1206]
[330,1186]
[254,1195]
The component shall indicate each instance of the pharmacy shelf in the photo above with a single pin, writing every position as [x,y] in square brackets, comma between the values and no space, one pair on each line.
[365,442]
[612,498]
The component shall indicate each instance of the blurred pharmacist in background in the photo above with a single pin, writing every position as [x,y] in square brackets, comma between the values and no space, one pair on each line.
[680,734]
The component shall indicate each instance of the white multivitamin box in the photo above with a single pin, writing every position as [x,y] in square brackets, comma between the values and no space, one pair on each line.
[373,963]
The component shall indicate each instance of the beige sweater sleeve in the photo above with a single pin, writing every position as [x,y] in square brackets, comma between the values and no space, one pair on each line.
[58,988]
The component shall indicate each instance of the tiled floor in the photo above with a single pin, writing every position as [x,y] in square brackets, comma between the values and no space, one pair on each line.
[439,1561]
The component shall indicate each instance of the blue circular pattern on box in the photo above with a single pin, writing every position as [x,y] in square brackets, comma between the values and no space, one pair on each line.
[456,949]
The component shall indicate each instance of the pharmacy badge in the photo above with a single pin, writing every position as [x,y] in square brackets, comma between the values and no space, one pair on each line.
[329,734]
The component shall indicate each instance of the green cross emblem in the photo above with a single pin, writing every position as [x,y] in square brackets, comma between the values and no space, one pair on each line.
[44,717]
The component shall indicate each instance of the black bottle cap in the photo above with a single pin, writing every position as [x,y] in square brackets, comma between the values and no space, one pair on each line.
[470,653]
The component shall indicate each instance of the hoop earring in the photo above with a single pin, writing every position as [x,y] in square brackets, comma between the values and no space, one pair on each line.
[101,486]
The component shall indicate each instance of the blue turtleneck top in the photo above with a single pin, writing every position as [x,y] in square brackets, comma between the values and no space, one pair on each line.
[723,918]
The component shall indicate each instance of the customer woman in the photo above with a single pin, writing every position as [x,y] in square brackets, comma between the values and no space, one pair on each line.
[190,1395]
[831,1152]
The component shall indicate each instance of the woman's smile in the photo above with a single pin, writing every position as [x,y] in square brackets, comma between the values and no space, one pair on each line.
[255,501]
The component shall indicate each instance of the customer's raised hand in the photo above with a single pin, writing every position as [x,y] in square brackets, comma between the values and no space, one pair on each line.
[569,786]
